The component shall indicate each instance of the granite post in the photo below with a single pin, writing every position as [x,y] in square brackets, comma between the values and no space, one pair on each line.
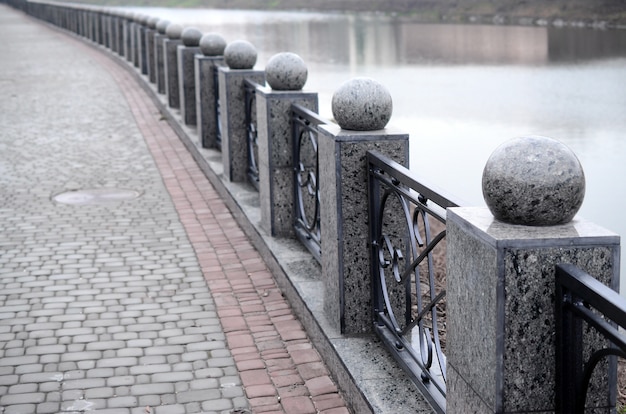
[212,46]
[286,75]
[92,26]
[82,23]
[142,49]
[129,26]
[159,53]
[120,33]
[138,37]
[99,26]
[108,16]
[186,73]
[88,25]
[362,108]
[170,57]
[500,282]
[240,56]
[151,33]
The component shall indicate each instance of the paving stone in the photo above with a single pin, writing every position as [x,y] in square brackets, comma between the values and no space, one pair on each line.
[24,398]
[147,389]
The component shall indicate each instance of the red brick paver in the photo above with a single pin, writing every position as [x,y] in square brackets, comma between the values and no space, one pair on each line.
[280,370]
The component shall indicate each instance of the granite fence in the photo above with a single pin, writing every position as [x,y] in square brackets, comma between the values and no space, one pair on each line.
[464,297]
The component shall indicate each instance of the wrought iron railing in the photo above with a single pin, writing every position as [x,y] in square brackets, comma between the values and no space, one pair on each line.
[306,178]
[218,117]
[581,298]
[407,227]
[251,133]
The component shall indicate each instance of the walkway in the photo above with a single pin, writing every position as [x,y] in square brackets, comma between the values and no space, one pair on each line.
[157,304]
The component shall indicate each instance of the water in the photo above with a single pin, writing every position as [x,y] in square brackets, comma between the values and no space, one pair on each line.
[462,90]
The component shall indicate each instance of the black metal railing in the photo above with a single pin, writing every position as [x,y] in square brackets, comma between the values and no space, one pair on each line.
[218,110]
[251,132]
[304,123]
[407,227]
[581,298]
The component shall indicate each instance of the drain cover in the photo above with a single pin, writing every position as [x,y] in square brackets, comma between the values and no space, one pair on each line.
[94,196]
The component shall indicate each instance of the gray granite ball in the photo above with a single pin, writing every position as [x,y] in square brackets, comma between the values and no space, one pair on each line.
[191,36]
[362,104]
[533,181]
[152,22]
[141,18]
[240,54]
[174,31]
[212,44]
[286,72]
[161,26]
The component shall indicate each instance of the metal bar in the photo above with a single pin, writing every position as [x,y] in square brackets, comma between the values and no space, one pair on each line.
[411,180]
[251,132]
[304,123]
[416,346]
[580,297]
[218,118]
[601,297]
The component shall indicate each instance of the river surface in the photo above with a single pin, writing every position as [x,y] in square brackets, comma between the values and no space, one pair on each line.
[462,90]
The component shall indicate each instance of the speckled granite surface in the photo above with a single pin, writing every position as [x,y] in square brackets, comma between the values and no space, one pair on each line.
[206,116]
[344,218]
[233,119]
[501,307]
[276,156]
[187,82]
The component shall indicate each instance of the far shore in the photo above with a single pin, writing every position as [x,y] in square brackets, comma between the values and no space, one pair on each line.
[601,14]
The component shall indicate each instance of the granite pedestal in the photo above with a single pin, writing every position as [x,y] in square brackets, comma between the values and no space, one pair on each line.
[128,39]
[344,219]
[187,82]
[142,50]
[500,309]
[276,163]
[170,56]
[233,119]
[150,35]
[206,97]
[120,35]
[159,61]
[106,25]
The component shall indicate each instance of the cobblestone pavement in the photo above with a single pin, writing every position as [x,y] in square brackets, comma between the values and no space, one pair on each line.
[157,304]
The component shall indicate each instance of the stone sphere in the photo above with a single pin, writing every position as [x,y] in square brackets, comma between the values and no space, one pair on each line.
[140,18]
[161,26]
[533,181]
[240,54]
[212,44]
[362,104]
[286,72]
[152,22]
[174,31]
[191,36]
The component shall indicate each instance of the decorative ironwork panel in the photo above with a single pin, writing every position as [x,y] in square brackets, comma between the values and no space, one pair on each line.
[304,124]
[218,118]
[581,298]
[251,133]
[407,241]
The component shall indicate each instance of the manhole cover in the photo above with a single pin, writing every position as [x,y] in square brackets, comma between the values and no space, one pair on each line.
[96,196]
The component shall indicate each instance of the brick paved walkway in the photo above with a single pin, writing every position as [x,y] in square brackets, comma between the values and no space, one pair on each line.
[155,305]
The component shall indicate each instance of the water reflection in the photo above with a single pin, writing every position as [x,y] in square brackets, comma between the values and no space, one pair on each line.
[575,45]
[372,39]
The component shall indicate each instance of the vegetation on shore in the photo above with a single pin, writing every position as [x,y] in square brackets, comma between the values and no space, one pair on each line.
[602,13]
